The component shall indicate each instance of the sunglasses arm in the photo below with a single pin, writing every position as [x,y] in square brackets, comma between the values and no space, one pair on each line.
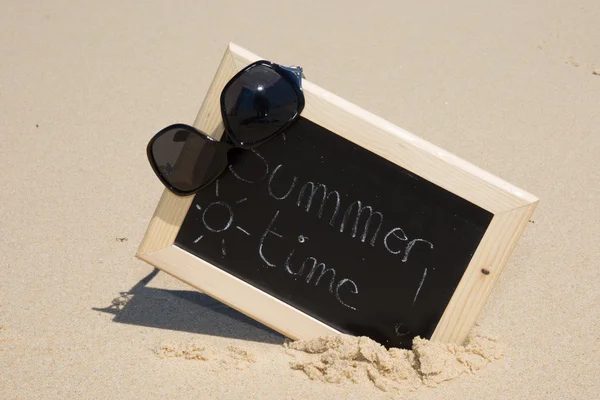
[297,72]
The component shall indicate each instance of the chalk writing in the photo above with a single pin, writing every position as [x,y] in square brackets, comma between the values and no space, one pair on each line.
[288,265]
[318,270]
[309,200]
[243,230]
[420,285]
[323,268]
[268,231]
[359,210]
[411,244]
[401,329]
[339,286]
[394,234]
[218,217]
[302,238]
[215,206]
[359,219]
[271,182]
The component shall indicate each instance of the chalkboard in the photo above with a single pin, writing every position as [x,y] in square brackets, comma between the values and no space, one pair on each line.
[344,223]
[338,232]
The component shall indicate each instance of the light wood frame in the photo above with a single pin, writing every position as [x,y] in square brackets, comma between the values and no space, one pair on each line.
[511,208]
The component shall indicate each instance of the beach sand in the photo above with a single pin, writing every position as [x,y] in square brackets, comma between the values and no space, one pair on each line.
[510,86]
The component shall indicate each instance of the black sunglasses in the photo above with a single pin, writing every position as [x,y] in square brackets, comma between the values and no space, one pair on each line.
[258,103]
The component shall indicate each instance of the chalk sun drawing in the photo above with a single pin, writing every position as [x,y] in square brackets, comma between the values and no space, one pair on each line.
[217,217]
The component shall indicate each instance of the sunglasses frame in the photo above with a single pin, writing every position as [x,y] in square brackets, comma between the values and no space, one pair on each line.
[292,75]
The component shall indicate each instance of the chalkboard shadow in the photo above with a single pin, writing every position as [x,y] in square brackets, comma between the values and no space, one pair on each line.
[187,311]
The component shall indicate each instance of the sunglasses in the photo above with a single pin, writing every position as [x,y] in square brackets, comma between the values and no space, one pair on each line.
[258,103]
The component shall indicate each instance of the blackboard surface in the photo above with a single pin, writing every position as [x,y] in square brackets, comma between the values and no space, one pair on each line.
[337,232]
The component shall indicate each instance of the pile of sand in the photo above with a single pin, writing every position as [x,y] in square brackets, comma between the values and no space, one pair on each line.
[235,356]
[190,351]
[344,358]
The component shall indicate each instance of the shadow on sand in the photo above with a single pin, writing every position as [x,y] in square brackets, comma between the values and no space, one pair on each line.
[185,310]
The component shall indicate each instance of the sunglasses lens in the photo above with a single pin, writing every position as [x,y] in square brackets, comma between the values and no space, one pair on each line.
[187,159]
[258,104]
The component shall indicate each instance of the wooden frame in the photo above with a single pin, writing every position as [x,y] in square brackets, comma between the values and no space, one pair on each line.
[511,208]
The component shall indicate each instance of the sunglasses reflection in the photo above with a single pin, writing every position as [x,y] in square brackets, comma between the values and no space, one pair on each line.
[249,99]
[166,170]
[181,136]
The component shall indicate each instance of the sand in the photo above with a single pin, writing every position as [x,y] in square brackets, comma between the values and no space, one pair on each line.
[511,86]
[345,358]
